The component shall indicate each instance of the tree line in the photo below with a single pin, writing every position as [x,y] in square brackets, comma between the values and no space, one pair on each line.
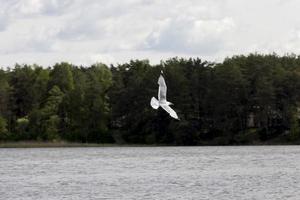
[249,99]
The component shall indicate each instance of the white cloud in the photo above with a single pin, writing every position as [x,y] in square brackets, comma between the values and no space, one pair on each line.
[191,35]
[29,8]
[86,31]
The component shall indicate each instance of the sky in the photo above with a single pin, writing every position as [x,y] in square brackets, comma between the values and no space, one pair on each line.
[83,32]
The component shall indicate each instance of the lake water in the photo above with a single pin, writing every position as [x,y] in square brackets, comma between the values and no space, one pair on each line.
[249,172]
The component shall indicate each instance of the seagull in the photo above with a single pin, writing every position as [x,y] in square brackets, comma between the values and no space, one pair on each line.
[162,98]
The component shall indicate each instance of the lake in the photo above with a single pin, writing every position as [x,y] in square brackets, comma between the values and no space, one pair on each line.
[242,172]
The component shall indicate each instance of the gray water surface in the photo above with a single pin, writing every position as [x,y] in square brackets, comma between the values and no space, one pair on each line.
[250,172]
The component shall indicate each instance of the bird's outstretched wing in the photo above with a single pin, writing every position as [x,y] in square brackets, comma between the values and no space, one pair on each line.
[154,103]
[170,111]
[162,90]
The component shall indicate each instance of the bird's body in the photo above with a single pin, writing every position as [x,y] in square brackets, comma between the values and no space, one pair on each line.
[162,98]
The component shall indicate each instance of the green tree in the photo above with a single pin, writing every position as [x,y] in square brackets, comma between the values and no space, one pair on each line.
[3,128]
[95,104]
[45,122]
[294,125]
[21,98]
[61,76]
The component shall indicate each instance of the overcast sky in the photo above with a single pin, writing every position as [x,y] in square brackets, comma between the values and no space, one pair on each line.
[111,31]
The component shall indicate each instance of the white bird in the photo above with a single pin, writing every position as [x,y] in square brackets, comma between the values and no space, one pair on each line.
[162,98]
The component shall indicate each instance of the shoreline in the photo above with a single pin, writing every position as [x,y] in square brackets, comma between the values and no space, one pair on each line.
[33,144]
[64,144]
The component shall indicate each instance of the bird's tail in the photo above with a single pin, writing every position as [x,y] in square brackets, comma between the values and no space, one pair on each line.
[154,103]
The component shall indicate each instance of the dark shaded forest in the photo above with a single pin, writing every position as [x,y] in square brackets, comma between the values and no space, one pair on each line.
[250,99]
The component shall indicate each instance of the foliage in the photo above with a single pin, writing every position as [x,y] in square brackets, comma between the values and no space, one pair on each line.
[3,129]
[243,100]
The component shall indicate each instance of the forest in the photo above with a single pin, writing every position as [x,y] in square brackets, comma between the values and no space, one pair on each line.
[246,99]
